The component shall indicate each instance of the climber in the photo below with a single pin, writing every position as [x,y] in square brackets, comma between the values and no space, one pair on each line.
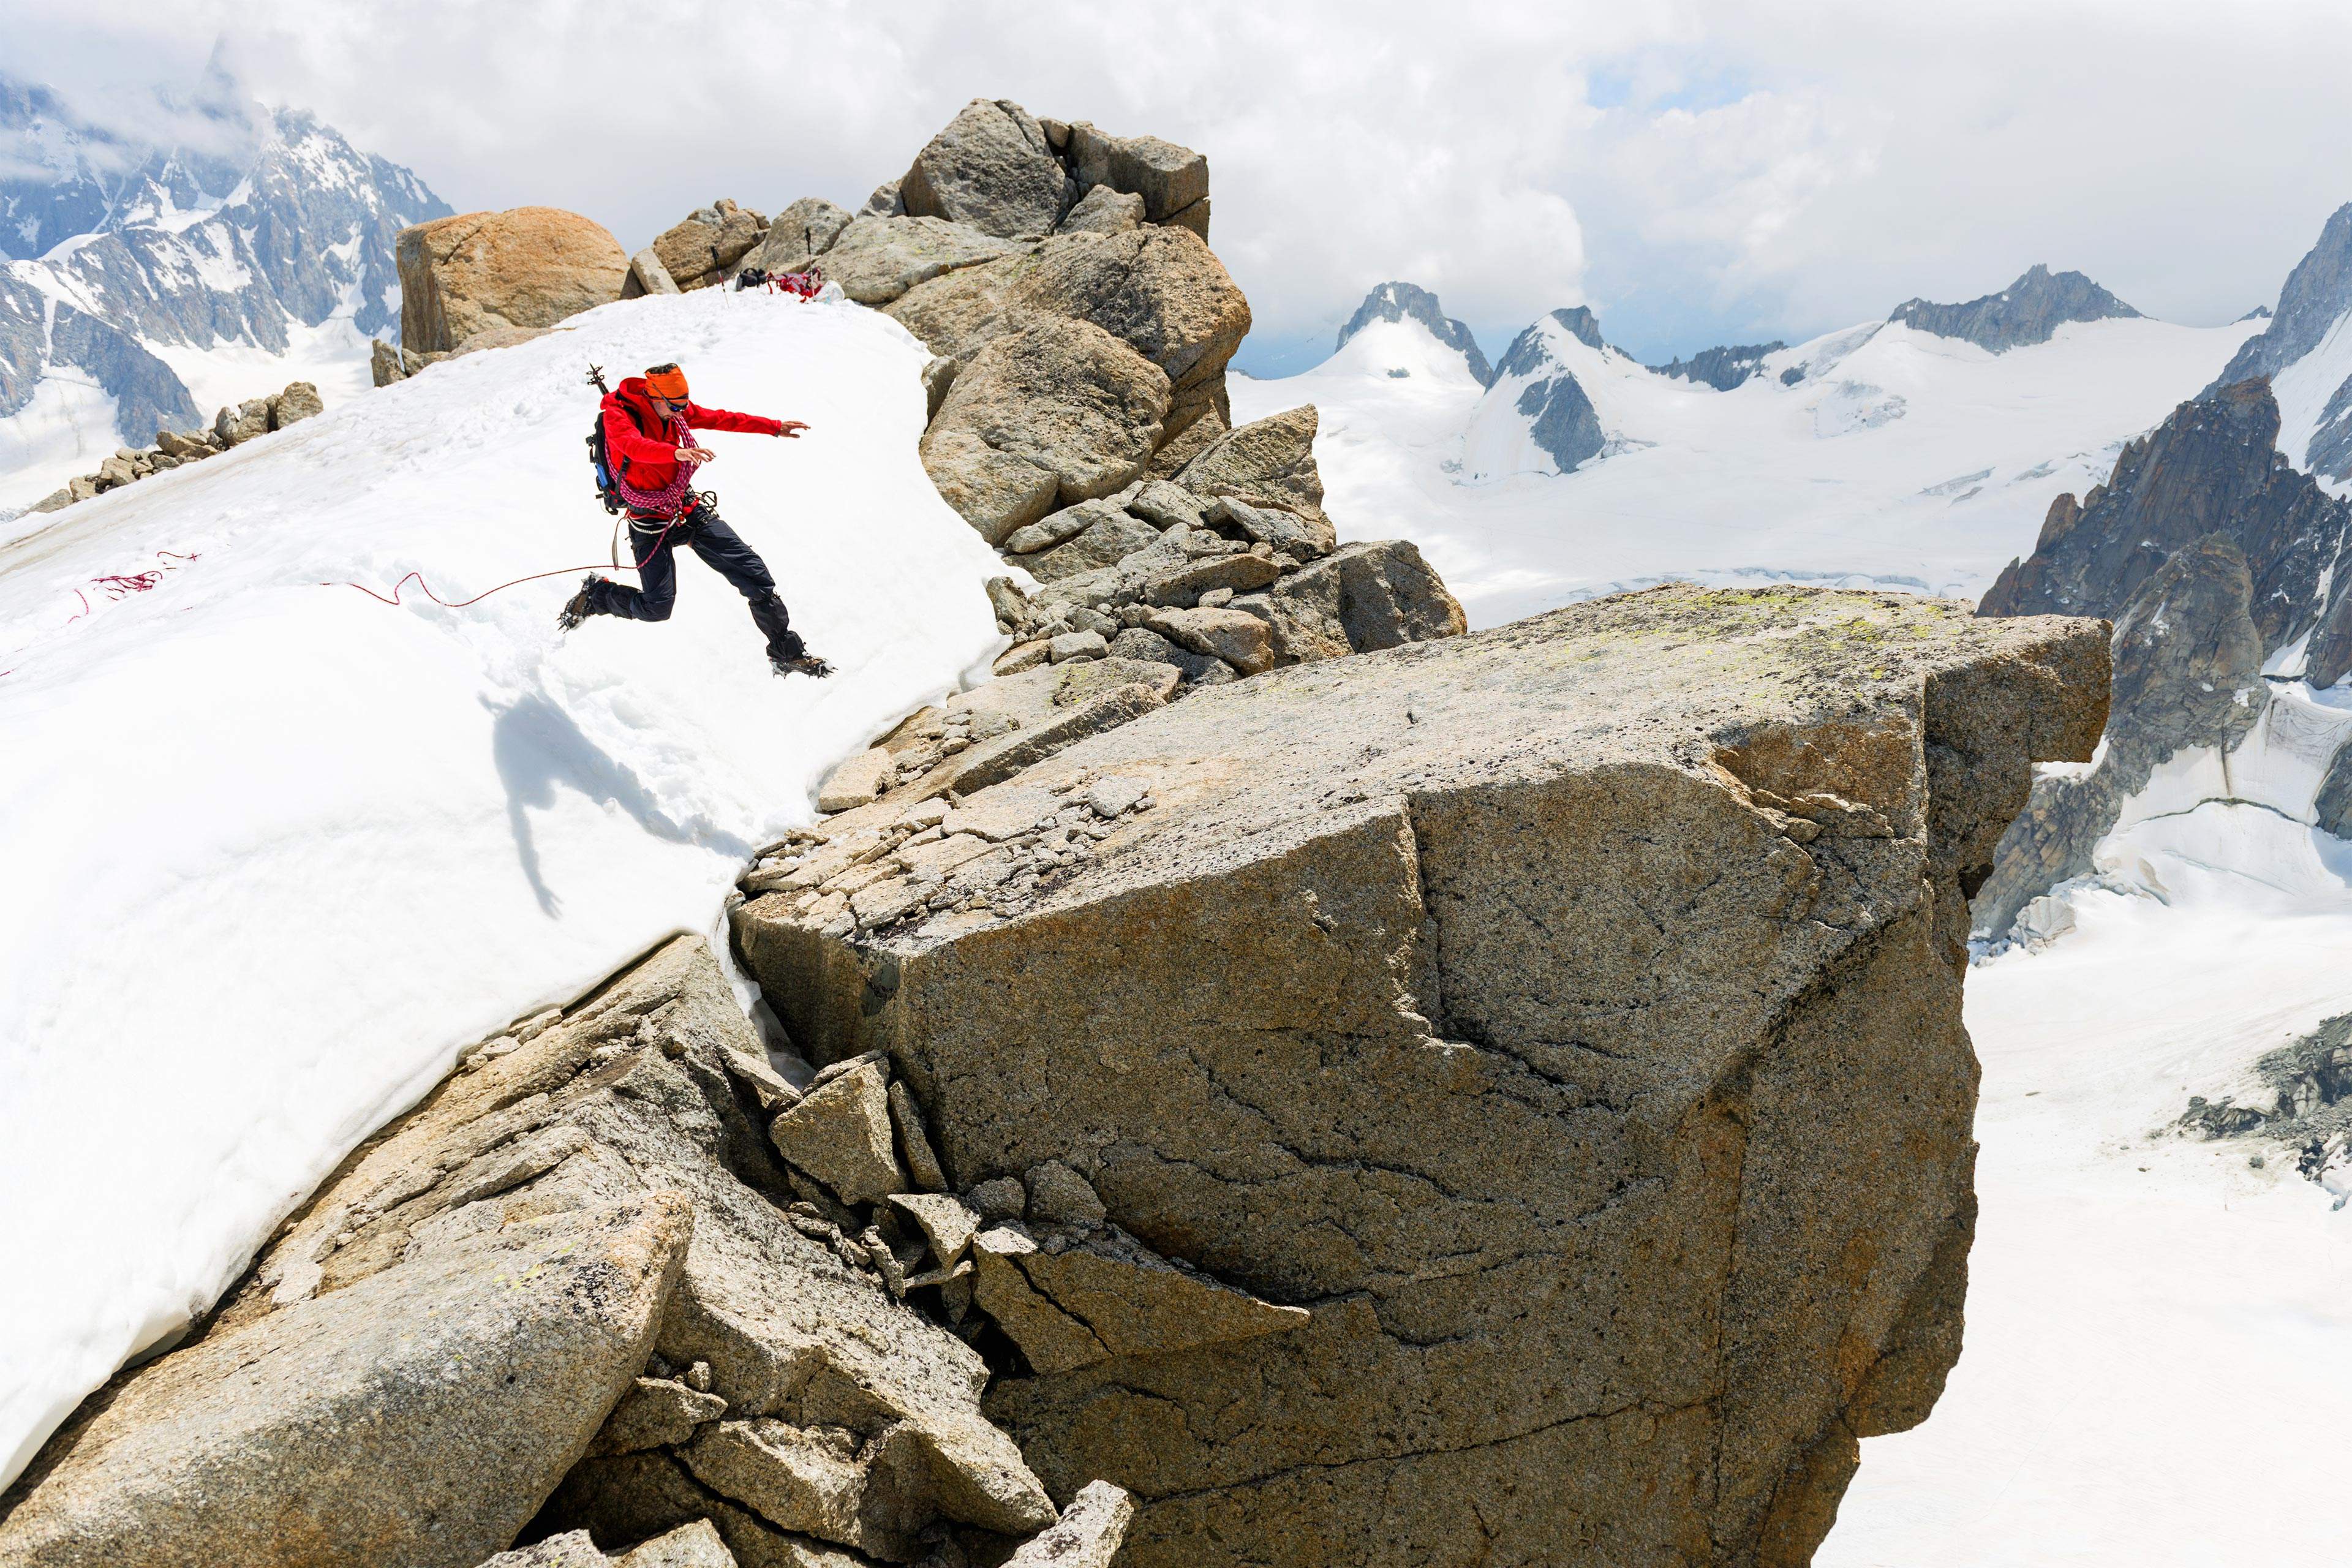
[653,476]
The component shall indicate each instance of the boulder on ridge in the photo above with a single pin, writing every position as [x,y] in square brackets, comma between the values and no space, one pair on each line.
[1565,1017]
[528,267]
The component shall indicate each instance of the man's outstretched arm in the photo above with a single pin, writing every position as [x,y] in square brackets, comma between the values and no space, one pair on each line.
[702,419]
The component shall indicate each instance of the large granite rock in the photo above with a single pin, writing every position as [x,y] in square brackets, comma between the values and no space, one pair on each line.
[1057,412]
[798,235]
[2030,310]
[1158,289]
[1173,181]
[528,267]
[875,259]
[1161,290]
[1363,597]
[991,170]
[419,1416]
[1268,462]
[557,1275]
[1565,1017]
[702,249]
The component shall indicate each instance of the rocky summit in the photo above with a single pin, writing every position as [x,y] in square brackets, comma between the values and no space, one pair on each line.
[2028,312]
[1265,1078]
[1410,302]
[1561,1022]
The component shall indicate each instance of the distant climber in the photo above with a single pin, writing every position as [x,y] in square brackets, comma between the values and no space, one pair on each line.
[648,427]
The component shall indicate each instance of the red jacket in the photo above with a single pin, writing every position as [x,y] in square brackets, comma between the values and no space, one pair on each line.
[650,462]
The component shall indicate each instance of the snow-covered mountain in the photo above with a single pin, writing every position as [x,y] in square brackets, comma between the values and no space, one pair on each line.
[147,283]
[1410,302]
[388,828]
[1880,455]
[1536,418]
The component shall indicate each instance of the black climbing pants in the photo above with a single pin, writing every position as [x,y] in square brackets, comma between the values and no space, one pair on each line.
[705,533]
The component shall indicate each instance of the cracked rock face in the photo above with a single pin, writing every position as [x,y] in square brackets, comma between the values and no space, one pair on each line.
[1564,1019]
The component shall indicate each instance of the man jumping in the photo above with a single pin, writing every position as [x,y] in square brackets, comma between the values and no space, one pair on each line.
[655,476]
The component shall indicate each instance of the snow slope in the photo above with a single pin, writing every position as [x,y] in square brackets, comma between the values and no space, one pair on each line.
[277,850]
[1901,460]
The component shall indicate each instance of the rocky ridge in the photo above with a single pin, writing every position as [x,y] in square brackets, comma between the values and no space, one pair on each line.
[2028,312]
[230,427]
[1410,302]
[2211,555]
[1722,367]
[2317,297]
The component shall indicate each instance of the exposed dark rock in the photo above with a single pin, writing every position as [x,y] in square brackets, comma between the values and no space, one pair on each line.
[1562,420]
[2211,468]
[1723,367]
[1410,302]
[2314,298]
[2301,1098]
[148,396]
[2028,312]
[2188,672]
[1560,415]
[1528,356]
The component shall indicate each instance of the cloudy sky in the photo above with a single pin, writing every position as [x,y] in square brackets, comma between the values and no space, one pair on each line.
[1697,172]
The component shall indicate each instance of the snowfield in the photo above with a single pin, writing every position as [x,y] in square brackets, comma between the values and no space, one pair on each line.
[277,851]
[2159,1335]
[1901,460]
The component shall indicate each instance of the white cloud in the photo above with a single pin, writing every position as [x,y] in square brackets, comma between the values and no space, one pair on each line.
[1695,171]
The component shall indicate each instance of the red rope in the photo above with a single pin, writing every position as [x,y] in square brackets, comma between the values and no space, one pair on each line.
[394,600]
[117,586]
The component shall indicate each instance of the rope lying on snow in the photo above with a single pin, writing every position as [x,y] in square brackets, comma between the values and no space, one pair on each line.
[393,599]
[121,586]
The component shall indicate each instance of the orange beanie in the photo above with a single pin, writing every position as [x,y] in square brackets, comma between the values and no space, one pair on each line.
[666,381]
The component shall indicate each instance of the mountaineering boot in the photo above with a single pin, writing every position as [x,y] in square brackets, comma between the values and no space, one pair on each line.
[787,655]
[575,609]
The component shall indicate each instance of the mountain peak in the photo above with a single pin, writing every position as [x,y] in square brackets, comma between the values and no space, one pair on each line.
[1530,352]
[1402,301]
[2029,312]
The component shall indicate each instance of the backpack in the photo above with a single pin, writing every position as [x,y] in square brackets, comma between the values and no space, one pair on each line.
[606,471]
